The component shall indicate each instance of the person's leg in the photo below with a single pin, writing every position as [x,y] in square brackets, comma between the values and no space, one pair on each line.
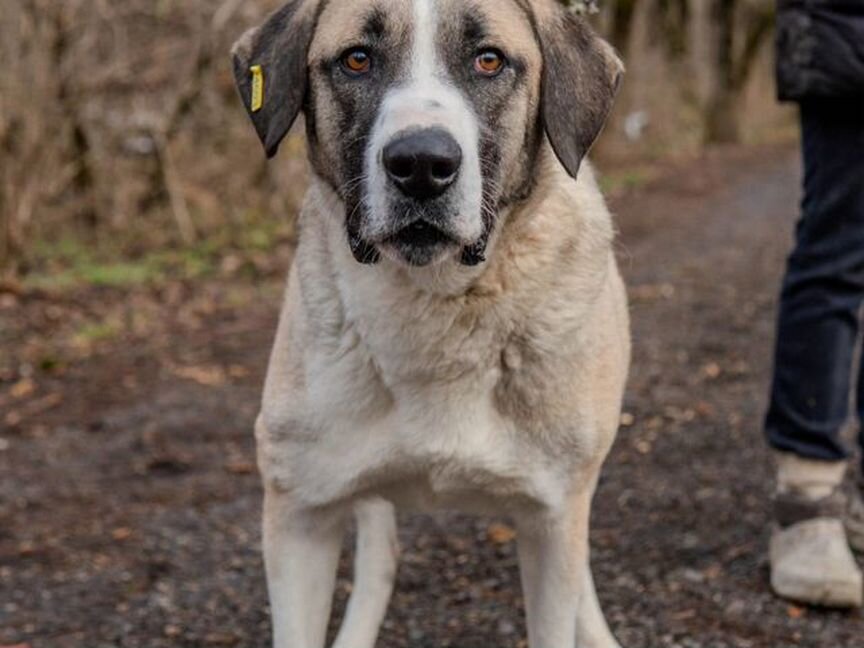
[816,338]
[823,289]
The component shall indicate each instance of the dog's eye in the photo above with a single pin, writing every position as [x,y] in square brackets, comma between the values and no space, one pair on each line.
[357,62]
[489,62]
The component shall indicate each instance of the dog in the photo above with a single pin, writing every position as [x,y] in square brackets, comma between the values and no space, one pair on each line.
[455,330]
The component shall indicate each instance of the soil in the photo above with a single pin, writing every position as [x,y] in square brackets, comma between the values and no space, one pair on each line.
[129,501]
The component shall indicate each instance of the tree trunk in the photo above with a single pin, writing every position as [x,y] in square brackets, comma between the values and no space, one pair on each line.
[623,12]
[734,65]
[83,181]
[670,21]
[722,123]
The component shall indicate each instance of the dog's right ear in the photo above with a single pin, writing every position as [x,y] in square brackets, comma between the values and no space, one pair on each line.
[270,68]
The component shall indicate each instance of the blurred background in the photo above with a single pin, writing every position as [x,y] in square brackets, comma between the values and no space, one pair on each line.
[144,243]
[121,136]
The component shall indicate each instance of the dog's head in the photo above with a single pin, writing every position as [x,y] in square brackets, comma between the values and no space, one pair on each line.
[426,116]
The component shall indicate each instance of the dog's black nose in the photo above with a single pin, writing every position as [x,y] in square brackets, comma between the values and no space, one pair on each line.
[423,164]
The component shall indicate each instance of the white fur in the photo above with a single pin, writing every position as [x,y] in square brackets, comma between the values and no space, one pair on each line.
[378,392]
[494,389]
[427,99]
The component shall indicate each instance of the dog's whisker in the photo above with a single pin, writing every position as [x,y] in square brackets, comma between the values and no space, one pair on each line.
[343,189]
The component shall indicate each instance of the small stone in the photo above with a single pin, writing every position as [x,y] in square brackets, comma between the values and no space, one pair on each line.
[506,628]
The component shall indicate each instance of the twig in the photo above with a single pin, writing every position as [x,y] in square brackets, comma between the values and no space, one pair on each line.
[179,206]
[182,105]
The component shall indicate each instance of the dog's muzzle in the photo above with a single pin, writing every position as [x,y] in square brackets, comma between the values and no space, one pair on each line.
[421,168]
[423,164]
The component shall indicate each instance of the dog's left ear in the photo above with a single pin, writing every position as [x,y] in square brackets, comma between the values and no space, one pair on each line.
[270,68]
[581,75]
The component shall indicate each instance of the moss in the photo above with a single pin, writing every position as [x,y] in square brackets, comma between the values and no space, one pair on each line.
[69,261]
[98,331]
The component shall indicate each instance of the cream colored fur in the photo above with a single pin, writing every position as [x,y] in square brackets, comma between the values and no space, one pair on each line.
[494,389]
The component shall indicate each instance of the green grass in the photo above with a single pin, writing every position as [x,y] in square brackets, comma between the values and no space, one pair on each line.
[71,261]
[98,331]
[626,180]
[152,268]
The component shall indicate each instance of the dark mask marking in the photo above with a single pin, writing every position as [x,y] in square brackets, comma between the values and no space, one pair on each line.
[489,99]
[357,102]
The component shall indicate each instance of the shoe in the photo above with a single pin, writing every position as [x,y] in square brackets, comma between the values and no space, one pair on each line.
[855,517]
[811,560]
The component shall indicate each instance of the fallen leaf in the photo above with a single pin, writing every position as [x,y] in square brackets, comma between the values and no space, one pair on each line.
[705,409]
[501,533]
[652,292]
[643,447]
[121,533]
[12,419]
[221,639]
[50,401]
[26,548]
[22,389]
[240,467]
[712,370]
[655,423]
[33,408]
[172,630]
[207,376]
[795,612]
[237,371]
[11,287]
[8,301]
[713,572]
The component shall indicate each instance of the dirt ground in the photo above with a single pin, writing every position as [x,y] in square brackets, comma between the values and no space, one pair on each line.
[129,502]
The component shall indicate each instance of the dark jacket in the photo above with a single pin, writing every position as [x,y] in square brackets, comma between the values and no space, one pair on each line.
[820,49]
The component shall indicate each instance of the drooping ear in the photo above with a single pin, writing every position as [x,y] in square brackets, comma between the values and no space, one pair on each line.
[581,75]
[270,68]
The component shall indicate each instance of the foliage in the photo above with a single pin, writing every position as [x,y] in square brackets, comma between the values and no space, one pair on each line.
[120,126]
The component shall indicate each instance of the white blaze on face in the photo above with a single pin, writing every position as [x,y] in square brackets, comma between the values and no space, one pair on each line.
[425,62]
[427,98]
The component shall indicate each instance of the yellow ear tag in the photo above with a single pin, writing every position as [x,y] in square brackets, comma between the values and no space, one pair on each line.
[257,87]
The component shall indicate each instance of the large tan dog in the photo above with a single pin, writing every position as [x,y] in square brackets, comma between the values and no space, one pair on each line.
[455,330]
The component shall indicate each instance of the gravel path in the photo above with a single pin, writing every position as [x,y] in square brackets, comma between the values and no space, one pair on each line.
[129,501]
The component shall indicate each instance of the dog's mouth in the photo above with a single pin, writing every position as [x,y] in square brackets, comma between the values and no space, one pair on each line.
[421,234]
[420,243]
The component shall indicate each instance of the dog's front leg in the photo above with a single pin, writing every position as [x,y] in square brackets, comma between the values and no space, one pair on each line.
[301,554]
[374,574]
[561,605]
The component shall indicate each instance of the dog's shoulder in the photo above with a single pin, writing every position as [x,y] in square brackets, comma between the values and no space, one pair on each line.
[557,244]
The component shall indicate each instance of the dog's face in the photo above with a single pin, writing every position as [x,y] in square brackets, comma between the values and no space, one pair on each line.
[426,116]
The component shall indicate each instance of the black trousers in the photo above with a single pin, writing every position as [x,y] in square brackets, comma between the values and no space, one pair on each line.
[823,291]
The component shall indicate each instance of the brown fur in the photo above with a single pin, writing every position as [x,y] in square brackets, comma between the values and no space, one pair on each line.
[492,388]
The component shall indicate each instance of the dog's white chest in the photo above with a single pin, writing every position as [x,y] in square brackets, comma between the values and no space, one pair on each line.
[435,445]
[381,387]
